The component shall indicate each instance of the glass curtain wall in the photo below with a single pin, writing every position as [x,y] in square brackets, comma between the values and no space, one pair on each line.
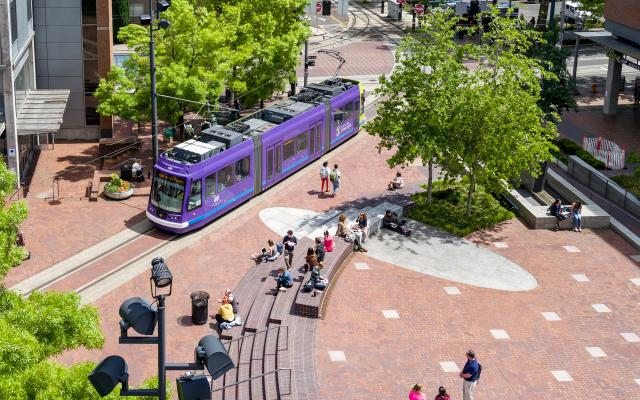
[90,60]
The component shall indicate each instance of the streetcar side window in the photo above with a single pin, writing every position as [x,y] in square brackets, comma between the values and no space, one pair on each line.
[289,149]
[225,178]
[301,142]
[195,195]
[343,118]
[243,168]
[210,185]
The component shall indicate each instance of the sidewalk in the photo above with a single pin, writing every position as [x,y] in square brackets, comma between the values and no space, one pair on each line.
[623,128]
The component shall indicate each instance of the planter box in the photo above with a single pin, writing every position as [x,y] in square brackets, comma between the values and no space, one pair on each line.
[119,195]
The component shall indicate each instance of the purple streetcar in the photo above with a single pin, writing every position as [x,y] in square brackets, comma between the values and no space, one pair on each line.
[199,180]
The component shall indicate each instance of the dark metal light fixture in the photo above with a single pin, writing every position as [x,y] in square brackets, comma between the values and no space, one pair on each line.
[145,20]
[136,313]
[162,5]
[164,24]
[106,375]
[160,277]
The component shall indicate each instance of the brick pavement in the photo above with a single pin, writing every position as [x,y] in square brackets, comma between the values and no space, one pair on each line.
[218,262]
[362,58]
[384,357]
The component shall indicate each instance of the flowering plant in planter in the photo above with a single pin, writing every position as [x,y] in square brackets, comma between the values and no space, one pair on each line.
[117,185]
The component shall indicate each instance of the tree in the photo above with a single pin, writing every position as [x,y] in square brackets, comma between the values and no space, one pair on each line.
[192,62]
[484,121]
[557,88]
[11,217]
[596,10]
[41,326]
[413,117]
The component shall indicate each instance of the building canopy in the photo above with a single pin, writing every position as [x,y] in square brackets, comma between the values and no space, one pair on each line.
[42,111]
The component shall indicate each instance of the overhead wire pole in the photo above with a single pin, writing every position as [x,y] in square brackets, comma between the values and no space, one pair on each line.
[154,105]
[306,61]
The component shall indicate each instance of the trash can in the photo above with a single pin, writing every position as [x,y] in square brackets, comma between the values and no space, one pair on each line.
[199,307]
[169,134]
[125,173]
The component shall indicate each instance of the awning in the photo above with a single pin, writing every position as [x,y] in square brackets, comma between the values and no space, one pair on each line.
[42,111]
[605,39]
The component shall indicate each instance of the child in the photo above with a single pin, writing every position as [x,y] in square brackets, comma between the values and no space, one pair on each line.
[328,242]
[416,392]
[442,394]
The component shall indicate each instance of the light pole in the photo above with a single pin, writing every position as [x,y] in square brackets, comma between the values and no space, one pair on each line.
[154,16]
[306,62]
[139,315]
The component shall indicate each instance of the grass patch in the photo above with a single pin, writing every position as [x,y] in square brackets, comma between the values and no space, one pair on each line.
[630,182]
[449,205]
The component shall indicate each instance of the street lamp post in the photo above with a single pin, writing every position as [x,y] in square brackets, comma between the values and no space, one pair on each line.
[150,20]
[139,315]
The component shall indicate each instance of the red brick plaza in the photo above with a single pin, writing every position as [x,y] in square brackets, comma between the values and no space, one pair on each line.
[575,336]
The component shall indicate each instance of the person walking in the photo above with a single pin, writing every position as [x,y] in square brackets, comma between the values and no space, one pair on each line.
[470,375]
[324,177]
[290,243]
[335,177]
[416,392]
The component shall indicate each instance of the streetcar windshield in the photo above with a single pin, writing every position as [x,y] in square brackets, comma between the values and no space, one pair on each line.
[167,192]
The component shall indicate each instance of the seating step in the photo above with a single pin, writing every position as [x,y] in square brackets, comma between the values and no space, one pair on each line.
[265,297]
[270,363]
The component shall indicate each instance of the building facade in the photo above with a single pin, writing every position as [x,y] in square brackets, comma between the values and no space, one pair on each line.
[17,66]
[73,49]
[622,41]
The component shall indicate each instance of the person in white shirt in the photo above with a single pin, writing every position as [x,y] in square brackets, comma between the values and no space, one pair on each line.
[136,168]
[324,177]
[334,177]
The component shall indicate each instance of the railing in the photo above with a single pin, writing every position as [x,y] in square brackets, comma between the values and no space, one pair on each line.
[262,331]
[601,185]
[255,377]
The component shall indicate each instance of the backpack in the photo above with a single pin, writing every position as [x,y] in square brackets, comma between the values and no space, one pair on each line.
[479,370]
[333,176]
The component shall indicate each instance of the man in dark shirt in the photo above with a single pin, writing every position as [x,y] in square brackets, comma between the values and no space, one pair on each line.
[470,374]
[319,250]
[290,243]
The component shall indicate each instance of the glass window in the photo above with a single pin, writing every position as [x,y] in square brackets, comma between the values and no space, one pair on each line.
[119,59]
[29,10]
[167,192]
[90,42]
[289,149]
[269,163]
[91,77]
[88,12]
[301,142]
[343,118]
[195,195]
[225,178]
[243,168]
[14,21]
[210,185]
[91,114]
[136,9]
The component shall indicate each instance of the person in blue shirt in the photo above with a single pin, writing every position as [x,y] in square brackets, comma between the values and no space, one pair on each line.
[284,280]
[470,374]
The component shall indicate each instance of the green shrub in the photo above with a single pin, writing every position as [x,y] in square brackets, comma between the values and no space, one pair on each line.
[629,182]
[633,158]
[570,148]
[449,205]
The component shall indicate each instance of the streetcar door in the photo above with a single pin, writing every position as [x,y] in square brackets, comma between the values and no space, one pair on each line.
[274,163]
[317,132]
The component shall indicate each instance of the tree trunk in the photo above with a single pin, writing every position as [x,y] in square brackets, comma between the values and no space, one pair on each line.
[472,189]
[430,182]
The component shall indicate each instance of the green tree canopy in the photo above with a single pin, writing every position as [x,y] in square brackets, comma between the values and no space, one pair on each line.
[11,216]
[487,123]
[248,46]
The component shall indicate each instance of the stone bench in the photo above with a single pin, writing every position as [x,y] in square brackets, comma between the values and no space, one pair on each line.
[308,305]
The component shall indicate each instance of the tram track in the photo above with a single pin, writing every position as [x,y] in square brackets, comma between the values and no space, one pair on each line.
[89,274]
